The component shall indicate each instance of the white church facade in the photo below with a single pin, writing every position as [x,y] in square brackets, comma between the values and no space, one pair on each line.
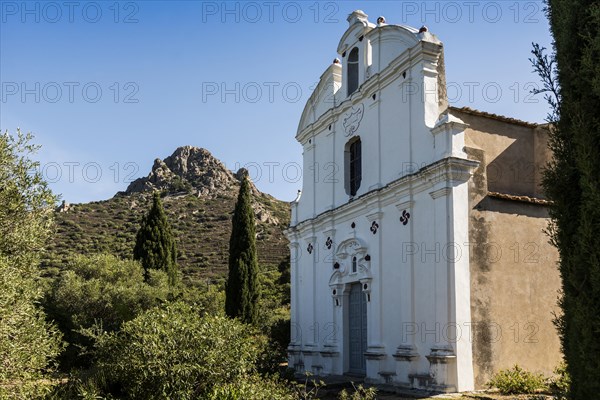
[394,240]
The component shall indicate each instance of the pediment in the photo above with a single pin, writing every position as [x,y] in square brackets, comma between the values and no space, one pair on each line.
[322,98]
[352,35]
[405,35]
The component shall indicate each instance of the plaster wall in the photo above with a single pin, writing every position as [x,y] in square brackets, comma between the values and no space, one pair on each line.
[513,267]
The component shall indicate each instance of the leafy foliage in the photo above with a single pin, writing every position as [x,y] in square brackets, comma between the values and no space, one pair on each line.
[28,344]
[154,244]
[104,290]
[517,381]
[572,181]
[253,387]
[360,393]
[274,319]
[25,199]
[242,289]
[82,387]
[283,281]
[206,299]
[309,389]
[173,352]
[560,382]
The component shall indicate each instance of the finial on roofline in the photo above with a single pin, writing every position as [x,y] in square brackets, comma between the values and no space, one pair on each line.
[357,16]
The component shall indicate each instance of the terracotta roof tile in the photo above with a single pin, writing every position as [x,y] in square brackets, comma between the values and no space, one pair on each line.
[502,118]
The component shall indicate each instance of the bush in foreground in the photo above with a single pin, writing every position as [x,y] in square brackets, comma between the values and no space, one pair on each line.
[253,387]
[360,393]
[28,344]
[100,289]
[560,382]
[516,380]
[173,352]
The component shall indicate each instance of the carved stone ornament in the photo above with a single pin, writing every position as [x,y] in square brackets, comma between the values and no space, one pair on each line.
[374,227]
[309,248]
[329,243]
[352,118]
[404,217]
[348,250]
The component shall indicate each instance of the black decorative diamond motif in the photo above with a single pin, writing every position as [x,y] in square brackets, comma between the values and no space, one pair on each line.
[328,243]
[374,227]
[309,248]
[404,217]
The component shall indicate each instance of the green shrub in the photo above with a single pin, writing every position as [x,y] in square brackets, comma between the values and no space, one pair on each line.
[173,352]
[252,387]
[28,343]
[207,299]
[560,382]
[81,386]
[360,393]
[273,320]
[517,381]
[308,390]
[100,289]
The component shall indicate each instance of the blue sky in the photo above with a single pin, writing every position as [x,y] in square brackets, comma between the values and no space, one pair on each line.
[107,87]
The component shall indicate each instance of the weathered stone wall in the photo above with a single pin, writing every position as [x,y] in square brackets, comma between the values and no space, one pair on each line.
[514,277]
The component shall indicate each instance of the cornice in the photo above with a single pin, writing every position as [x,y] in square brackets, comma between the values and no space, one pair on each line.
[452,169]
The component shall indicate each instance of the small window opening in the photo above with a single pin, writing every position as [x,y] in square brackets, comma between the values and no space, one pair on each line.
[353,71]
[354,167]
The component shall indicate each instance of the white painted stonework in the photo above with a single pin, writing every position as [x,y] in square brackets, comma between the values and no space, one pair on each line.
[398,230]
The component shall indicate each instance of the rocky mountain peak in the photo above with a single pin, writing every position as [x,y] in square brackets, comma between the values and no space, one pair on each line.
[190,169]
[195,170]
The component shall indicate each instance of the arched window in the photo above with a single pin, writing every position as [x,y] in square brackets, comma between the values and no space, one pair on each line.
[354,266]
[353,167]
[352,80]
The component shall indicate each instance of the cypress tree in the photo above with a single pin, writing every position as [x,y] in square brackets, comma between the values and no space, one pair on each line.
[242,291]
[572,182]
[154,244]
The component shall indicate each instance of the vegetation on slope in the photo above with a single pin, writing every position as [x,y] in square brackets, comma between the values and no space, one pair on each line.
[200,219]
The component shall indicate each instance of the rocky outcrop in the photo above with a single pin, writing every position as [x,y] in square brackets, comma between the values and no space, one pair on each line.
[188,169]
[194,170]
[64,207]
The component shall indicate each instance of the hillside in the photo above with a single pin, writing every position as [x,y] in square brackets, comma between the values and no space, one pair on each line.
[199,195]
